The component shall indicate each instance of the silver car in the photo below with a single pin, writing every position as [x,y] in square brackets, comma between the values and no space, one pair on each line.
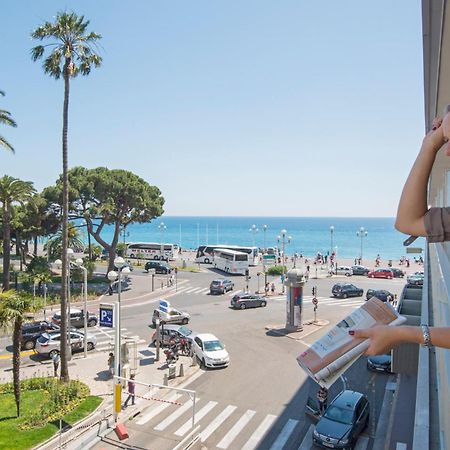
[49,343]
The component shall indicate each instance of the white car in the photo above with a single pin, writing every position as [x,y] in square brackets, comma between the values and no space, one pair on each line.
[343,270]
[48,344]
[210,351]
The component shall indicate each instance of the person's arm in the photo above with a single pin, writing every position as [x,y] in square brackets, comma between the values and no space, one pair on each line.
[385,338]
[413,201]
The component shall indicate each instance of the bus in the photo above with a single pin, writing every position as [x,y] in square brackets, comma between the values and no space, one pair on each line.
[150,250]
[231,261]
[205,253]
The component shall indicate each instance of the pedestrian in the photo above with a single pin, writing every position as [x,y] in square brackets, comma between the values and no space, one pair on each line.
[266,288]
[131,391]
[111,364]
[110,289]
[272,288]
[56,359]
[322,399]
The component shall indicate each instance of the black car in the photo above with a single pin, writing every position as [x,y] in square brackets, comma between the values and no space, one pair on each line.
[382,294]
[360,270]
[160,267]
[31,331]
[343,421]
[398,273]
[243,301]
[379,363]
[220,286]
[344,290]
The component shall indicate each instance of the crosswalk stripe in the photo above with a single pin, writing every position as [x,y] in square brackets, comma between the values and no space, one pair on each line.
[174,416]
[284,434]
[179,291]
[155,411]
[217,422]
[191,290]
[206,290]
[198,416]
[307,439]
[259,432]
[236,429]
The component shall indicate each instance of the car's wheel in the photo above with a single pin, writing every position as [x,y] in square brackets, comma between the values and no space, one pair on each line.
[185,321]
[243,306]
[344,295]
[203,366]
[263,304]
[361,293]
[206,260]
[53,353]
[347,274]
[371,276]
[29,345]
[90,346]
[92,323]
[156,257]
[390,277]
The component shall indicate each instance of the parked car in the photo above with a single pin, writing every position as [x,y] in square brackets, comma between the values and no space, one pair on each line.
[343,421]
[243,301]
[221,286]
[49,343]
[343,270]
[381,273]
[382,294]
[379,363]
[172,316]
[398,273]
[344,290]
[127,264]
[169,332]
[360,270]
[415,278]
[160,267]
[76,318]
[32,330]
[210,351]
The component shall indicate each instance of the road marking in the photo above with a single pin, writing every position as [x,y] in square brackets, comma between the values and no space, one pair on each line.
[362,443]
[236,429]
[26,353]
[190,291]
[307,440]
[217,422]
[198,416]
[284,434]
[155,411]
[259,432]
[401,446]
[205,290]
[174,416]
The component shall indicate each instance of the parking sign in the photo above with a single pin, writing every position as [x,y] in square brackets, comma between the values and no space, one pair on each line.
[106,315]
[164,305]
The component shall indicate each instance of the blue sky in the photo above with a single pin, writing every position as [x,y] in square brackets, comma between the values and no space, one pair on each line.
[288,108]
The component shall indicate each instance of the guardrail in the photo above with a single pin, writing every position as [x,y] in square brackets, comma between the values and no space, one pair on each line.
[189,440]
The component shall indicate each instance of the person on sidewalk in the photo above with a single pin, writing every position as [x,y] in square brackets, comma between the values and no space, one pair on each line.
[56,359]
[322,399]
[111,364]
[272,288]
[131,391]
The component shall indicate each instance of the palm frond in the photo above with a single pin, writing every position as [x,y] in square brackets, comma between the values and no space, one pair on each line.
[6,144]
[6,119]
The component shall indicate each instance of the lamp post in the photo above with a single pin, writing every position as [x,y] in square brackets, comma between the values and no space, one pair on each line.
[331,239]
[282,237]
[264,230]
[162,227]
[89,239]
[119,262]
[79,263]
[253,229]
[362,233]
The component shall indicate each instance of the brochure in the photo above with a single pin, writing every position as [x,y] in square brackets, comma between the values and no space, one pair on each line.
[331,355]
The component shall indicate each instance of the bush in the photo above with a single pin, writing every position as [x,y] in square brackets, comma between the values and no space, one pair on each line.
[276,270]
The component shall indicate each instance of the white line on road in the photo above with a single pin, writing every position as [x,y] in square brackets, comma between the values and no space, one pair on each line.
[198,416]
[284,435]
[217,422]
[174,416]
[401,446]
[307,440]
[259,432]
[236,429]
[155,411]
[363,442]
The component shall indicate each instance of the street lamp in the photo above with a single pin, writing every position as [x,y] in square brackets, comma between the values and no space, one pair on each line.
[264,229]
[162,227]
[253,229]
[331,239]
[89,239]
[282,237]
[79,263]
[119,262]
[362,233]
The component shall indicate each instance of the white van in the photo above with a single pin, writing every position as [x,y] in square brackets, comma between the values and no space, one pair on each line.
[343,270]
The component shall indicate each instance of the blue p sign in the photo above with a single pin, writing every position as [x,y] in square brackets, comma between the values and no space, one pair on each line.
[106,315]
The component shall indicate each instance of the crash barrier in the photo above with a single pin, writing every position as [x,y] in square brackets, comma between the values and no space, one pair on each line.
[190,441]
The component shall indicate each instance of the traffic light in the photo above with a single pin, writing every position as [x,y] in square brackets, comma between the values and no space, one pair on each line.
[246,272]
[314,291]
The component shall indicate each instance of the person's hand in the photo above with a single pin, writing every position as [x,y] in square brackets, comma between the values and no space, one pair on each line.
[445,125]
[382,339]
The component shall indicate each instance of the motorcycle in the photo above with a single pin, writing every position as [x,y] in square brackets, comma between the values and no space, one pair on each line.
[184,346]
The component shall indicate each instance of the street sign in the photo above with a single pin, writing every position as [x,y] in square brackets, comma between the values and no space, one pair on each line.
[106,315]
[269,260]
[414,250]
[164,305]
[315,301]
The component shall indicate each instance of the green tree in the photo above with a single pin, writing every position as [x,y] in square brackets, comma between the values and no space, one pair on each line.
[12,190]
[72,54]
[13,307]
[54,245]
[6,119]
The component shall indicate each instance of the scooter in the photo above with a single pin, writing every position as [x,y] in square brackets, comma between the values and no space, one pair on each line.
[171,356]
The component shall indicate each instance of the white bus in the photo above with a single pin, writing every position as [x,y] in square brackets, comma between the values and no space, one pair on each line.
[231,261]
[205,253]
[150,250]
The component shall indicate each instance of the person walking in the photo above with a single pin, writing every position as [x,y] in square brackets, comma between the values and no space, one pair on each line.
[56,359]
[322,399]
[272,288]
[131,391]
[111,364]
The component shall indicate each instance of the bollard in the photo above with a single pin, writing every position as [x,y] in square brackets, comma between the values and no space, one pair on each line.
[181,371]
[193,361]
[166,380]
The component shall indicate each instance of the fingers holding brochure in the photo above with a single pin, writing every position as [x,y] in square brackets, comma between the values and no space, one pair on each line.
[381,338]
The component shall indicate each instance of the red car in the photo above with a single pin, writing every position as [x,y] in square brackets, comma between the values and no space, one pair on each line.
[381,273]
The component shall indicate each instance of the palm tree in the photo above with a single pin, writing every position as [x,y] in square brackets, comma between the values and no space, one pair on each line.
[13,306]
[74,241]
[6,119]
[71,54]
[12,190]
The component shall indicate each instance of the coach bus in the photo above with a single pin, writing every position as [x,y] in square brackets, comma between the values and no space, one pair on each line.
[231,261]
[150,250]
[205,253]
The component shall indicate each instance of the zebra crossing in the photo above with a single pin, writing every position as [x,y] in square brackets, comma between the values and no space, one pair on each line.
[105,337]
[231,427]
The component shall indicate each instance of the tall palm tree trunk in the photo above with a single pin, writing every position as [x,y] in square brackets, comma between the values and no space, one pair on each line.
[65,227]
[6,244]
[16,362]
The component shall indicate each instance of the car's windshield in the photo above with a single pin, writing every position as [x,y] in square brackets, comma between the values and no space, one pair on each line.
[216,283]
[184,331]
[339,415]
[213,346]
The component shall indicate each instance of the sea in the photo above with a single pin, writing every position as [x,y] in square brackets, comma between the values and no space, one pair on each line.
[304,235]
